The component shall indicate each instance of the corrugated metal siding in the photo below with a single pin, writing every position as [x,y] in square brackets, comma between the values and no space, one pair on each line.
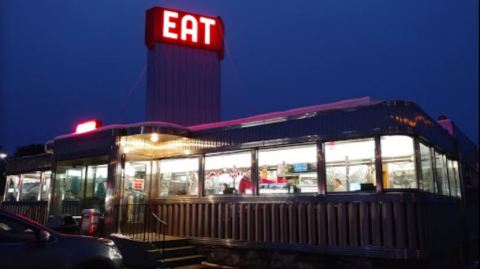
[183,85]
[390,117]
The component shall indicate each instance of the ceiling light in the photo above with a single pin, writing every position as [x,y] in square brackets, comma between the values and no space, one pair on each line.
[154,137]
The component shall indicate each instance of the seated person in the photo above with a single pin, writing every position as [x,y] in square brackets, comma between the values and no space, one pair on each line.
[227,189]
[338,186]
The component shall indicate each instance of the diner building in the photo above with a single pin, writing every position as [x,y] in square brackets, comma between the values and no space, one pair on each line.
[359,177]
[362,176]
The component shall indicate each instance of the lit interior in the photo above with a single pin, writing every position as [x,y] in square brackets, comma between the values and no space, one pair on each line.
[397,145]
[154,146]
[354,149]
[179,165]
[235,160]
[303,154]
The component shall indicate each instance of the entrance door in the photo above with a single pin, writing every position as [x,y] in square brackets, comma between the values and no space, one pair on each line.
[137,177]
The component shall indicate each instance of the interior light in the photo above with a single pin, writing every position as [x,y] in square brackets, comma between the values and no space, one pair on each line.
[87,126]
[123,142]
[154,137]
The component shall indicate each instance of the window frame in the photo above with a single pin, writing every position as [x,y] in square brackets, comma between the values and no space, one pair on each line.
[38,194]
[431,152]
[416,168]
[283,146]
[203,161]
[375,162]
[159,171]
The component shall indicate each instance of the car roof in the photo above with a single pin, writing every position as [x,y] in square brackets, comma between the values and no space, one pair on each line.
[27,220]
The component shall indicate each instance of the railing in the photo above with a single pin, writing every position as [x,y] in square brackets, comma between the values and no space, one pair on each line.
[164,228]
[72,207]
[393,225]
[37,211]
[139,222]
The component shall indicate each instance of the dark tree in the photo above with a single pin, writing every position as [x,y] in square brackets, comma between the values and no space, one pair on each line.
[32,149]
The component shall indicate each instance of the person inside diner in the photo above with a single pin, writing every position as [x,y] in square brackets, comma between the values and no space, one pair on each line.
[338,186]
[245,185]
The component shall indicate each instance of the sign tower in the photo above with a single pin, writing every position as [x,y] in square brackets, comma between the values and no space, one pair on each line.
[183,66]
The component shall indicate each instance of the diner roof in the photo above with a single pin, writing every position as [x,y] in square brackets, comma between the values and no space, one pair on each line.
[150,126]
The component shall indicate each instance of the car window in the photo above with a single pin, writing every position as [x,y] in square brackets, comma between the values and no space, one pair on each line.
[12,230]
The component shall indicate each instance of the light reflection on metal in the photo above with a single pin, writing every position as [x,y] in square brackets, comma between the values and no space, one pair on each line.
[167,145]
[412,122]
[262,122]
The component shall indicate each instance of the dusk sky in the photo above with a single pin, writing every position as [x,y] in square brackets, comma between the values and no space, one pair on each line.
[61,61]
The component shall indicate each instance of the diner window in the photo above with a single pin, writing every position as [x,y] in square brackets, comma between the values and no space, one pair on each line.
[78,185]
[427,168]
[12,187]
[30,186]
[442,176]
[69,189]
[398,162]
[178,177]
[47,180]
[454,178]
[96,187]
[350,164]
[288,170]
[228,174]
[74,184]
[457,175]
[137,174]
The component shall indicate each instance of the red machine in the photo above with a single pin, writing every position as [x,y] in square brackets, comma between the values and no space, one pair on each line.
[90,222]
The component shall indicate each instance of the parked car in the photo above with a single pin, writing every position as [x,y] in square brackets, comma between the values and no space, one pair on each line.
[25,243]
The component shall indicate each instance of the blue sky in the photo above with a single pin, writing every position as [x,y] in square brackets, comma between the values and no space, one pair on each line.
[61,61]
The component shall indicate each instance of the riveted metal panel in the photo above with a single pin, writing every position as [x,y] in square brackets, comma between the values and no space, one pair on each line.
[183,85]
[389,117]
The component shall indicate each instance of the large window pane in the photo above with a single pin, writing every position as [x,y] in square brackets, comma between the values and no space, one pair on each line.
[228,174]
[179,177]
[349,164]
[427,168]
[74,184]
[288,170]
[96,187]
[69,189]
[12,187]
[69,183]
[398,162]
[457,176]
[441,172]
[47,180]
[30,186]
[454,178]
[137,174]
[79,184]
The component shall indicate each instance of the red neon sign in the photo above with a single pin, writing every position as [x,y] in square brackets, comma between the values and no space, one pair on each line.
[182,28]
[87,126]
